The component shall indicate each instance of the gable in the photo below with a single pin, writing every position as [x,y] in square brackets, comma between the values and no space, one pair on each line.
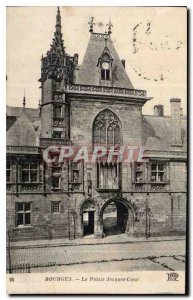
[89,73]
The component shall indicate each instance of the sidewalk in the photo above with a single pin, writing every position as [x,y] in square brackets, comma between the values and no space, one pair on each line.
[114,239]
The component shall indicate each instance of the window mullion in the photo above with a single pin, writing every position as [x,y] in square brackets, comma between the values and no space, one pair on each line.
[23,213]
[113,136]
[29,173]
[106,135]
[157,170]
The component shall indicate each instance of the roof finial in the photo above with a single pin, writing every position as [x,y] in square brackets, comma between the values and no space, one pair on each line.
[24,100]
[91,23]
[58,19]
[110,25]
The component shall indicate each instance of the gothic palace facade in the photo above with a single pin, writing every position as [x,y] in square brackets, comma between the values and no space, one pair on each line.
[88,104]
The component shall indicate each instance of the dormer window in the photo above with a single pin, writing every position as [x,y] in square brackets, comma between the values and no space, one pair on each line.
[105,64]
[105,74]
[105,71]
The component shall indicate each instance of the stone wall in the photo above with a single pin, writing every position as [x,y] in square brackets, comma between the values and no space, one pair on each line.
[167,210]
[84,112]
[46,120]
[44,223]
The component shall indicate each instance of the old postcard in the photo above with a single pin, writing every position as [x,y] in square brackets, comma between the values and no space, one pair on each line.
[96,170]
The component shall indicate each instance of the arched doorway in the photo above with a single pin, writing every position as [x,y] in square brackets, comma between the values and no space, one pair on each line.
[88,218]
[117,217]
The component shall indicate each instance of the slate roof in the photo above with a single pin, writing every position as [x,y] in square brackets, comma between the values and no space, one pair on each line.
[13,113]
[22,132]
[89,72]
[32,113]
[157,133]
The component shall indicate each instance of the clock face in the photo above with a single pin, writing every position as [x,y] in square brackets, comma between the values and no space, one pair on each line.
[105,65]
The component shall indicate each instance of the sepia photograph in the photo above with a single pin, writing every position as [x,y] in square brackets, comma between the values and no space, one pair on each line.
[96,150]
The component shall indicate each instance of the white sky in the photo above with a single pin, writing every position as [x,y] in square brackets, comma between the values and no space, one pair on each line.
[30,32]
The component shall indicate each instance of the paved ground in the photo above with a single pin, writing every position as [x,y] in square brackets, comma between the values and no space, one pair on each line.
[120,266]
[91,240]
[143,255]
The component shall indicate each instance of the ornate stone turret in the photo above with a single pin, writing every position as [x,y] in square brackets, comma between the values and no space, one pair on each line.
[55,64]
[57,70]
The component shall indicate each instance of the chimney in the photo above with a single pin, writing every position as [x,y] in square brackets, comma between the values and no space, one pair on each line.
[176,122]
[123,62]
[159,110]
[75,59]
[76,67]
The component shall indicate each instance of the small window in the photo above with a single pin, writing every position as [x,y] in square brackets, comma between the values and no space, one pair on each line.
[75,172]
[105,74]
[75,176]
[55,207]
[56,178]
[57,134]
[56,183]
[138,173]
[107,176]
[57,111]
[29,172]
[8,171]
[158,173]
[23,214]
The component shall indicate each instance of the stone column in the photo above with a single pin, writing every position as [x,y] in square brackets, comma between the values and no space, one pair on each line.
[98,226]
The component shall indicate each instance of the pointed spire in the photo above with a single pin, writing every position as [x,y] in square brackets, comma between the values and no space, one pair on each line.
[57,45]
[24,100]
[58,20]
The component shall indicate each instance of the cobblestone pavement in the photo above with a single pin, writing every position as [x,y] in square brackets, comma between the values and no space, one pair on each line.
[166,255]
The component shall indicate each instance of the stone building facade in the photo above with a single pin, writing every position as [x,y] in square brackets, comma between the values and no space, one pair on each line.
[91,104]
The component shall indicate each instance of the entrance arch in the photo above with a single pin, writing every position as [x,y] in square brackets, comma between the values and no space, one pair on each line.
[116,217]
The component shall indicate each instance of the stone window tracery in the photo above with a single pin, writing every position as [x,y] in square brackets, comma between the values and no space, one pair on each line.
[107,129]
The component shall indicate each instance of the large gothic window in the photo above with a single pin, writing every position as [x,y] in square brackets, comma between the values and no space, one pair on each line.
[106,129]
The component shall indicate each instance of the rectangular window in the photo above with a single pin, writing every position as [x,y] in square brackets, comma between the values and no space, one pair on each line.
[105,74]
[57,111]
[138,173]
[75,167]
[55,207]
[8,171]
[158,173]
[23,214]
[29,172]
[56,175]
[107,176]
[57,134]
